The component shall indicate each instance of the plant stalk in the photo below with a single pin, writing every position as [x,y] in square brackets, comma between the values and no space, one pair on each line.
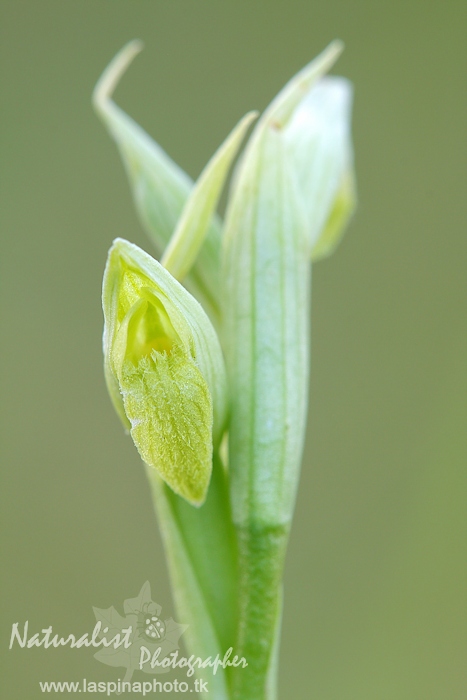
[261,558]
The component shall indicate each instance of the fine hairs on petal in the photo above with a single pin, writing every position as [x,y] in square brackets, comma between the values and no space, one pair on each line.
[169,406]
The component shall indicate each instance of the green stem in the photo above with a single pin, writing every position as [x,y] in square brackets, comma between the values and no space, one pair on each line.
[200,546]
[261,558]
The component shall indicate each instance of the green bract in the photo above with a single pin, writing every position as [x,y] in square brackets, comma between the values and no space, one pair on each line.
[164,369]
[159,186]
[276,214]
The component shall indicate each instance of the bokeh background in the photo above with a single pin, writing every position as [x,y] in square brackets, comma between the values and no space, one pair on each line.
[375,587]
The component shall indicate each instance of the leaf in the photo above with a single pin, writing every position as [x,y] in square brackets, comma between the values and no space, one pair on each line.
[285,103]
[189,235]
[160,188]
[266,331]
[200,546]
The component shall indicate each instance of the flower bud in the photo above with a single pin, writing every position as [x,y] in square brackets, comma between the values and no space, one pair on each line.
[320,150]
[164,369]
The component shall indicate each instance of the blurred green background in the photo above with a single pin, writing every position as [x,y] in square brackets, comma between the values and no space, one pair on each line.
[375,605]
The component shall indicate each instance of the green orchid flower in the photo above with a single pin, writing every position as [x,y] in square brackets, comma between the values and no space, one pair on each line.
[164,369]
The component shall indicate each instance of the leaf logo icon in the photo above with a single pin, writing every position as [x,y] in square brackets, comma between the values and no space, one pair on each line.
[148,629]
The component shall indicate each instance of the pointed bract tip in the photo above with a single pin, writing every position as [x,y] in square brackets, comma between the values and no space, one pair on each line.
[111,76]
[283,106]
